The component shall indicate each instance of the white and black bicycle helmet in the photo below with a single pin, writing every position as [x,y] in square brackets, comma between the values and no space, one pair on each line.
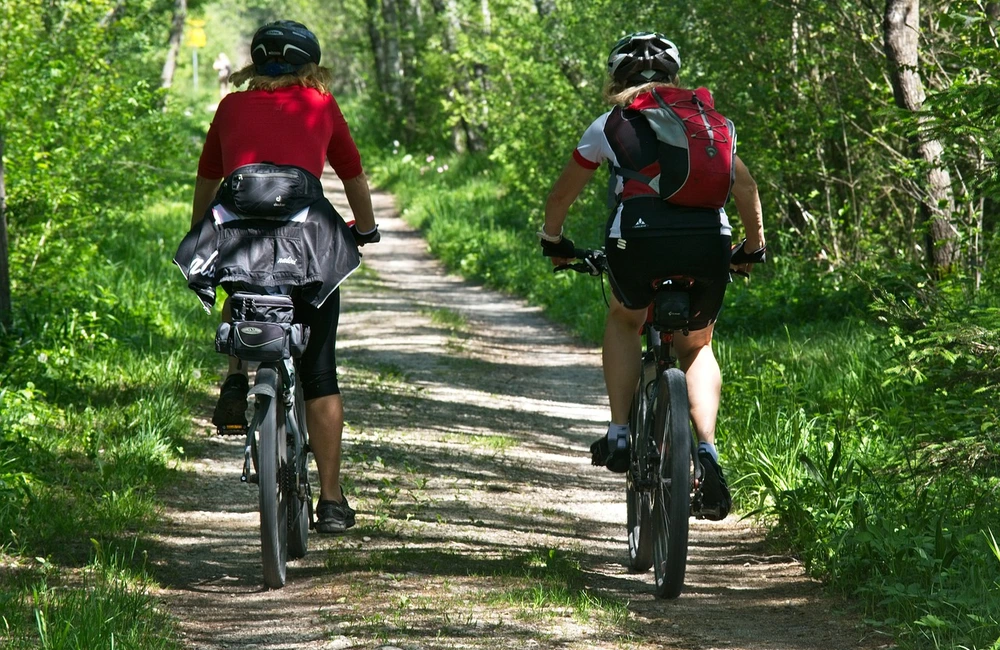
[644,57]
[283,47]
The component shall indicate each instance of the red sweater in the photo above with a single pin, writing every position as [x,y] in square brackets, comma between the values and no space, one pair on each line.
[289,126]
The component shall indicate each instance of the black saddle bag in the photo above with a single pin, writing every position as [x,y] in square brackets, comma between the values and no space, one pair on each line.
[671,310]
[262,329]
[268,190]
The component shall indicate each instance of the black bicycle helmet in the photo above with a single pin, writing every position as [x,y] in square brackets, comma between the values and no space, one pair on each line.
[644,57]
[283,47]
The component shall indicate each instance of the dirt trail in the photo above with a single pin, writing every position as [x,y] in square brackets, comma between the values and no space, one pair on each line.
[481,523]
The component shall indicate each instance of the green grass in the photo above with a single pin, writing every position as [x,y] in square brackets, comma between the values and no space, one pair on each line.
[447,319]
[99,377]
[109,607]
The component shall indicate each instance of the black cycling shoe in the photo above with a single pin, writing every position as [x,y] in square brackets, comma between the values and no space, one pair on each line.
[602,456]
[716,500]
[231,410]
[334,516]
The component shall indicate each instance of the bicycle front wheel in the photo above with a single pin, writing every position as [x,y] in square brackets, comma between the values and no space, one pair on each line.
[300,495]
[272,468]
[672,497]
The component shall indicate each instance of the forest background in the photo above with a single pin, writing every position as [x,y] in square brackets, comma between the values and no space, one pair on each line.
[859,417]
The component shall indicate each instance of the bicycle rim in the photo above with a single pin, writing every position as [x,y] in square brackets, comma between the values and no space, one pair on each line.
[272,492]
[639,516]
[672,498]
[300,510]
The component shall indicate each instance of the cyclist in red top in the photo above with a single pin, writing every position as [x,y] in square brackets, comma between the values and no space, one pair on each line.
[287,116]
[648,238]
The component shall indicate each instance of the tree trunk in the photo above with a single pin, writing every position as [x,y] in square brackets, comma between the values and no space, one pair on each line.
[174,47]
[5,311]
[465,135]
[546,10]
[901,28]
[447,13]
[393,53]
[378,50]
[410,15]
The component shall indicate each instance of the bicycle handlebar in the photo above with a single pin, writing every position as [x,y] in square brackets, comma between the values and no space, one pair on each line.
[592,262]
[595,262]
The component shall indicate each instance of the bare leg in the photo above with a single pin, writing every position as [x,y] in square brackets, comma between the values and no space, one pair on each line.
[325,421]
[621,356]
[704,379]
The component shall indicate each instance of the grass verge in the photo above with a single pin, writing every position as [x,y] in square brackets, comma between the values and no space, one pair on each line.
[100,371]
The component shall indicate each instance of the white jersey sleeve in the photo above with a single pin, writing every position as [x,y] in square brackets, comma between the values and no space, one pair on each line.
[594,147]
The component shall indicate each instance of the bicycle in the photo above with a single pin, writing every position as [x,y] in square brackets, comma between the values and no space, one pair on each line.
[276,452]
[663,481]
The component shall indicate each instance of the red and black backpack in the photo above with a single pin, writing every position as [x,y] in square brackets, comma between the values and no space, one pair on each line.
[696,147]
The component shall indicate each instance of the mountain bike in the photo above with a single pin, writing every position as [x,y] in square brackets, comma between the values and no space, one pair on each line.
[663,481]
[276,452]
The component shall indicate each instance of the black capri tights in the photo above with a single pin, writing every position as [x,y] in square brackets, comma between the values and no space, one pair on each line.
[318,366]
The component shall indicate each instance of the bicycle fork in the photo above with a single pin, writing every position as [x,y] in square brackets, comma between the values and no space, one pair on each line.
[260,388]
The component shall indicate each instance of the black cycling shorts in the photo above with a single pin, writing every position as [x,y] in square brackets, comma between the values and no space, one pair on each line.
[704,257]
[318,366]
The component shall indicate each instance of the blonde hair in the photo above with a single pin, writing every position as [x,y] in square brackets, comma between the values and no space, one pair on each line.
[309,75]
[621,94]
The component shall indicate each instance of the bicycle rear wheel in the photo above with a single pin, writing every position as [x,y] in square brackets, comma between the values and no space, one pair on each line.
[300,495]
[672,497]
[272,468]
[639,514]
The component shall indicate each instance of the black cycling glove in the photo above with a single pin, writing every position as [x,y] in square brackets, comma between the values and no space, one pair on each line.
[562,248]
[362,238]
[741,256]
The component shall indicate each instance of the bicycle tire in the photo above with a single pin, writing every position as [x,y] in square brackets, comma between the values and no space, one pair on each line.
[272,489]
[639,510]
[672,497]
[300,496]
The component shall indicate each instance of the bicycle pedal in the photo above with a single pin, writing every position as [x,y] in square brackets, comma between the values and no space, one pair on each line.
[231,430]
[712,514]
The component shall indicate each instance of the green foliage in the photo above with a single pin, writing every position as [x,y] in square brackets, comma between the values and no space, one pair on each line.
[95,386]
[95,380]
[873,450]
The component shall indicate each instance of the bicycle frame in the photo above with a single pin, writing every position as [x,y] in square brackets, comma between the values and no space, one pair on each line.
[286,373]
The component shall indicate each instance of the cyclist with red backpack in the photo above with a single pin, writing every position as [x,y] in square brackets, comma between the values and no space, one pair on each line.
[673,166]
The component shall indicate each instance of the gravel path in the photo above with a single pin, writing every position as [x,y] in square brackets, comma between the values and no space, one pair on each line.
[481,523]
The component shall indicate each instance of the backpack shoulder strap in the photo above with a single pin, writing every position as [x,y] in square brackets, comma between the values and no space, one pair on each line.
[614,171]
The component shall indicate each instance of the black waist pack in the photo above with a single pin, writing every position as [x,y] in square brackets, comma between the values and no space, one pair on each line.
[262,329]
[268,190]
